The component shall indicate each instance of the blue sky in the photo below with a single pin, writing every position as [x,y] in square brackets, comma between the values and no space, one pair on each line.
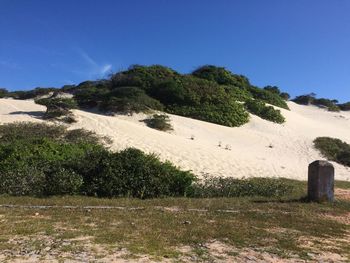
[302,46]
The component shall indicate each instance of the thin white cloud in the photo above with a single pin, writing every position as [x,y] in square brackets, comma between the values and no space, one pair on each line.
[8,64]
[85,56]
[106,69]
[94,69]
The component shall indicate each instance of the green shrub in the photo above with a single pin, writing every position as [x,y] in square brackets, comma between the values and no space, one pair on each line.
[132,173]
[64,103]
[221,76]
[231,187]
[304,99]
[237,94]
[39,159]
[285,95]
[3,92]
[333,149]
[268,97]
[22,179]
[344,106]
[265,112]
[129,100]
[232,114]
[143,76]
[58,109]
[63,181]
[276,90]
[159,122]
[31,94]
[31,132]
[308,99]
[334,108]
[343,157]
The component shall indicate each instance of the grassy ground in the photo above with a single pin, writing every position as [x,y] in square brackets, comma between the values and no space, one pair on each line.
[174,229]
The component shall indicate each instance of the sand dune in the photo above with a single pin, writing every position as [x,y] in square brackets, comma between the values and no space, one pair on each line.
[259,148]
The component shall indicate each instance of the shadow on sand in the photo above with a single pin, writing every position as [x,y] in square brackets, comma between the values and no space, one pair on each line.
[34,114]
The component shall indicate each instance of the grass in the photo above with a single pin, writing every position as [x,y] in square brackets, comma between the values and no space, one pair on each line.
[159,228]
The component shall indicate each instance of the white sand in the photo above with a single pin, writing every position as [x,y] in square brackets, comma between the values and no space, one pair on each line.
[250,155]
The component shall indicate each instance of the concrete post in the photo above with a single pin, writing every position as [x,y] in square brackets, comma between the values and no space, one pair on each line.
[321,182]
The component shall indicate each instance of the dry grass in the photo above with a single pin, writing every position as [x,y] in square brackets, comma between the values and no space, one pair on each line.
[172,229]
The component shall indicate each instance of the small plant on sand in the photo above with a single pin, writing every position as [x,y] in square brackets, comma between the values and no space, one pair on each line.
[58,109]
[159,122]
[334,149]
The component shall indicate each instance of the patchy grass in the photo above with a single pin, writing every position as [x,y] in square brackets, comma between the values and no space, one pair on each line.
[161,228]
[342,184]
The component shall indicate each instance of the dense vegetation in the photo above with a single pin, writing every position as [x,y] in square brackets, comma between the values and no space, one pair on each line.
[334,149]
[209,93]
[266,112]
[43,160]
[331,105]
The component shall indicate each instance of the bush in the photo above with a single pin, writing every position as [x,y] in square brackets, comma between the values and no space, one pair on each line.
[64,103]
[132,173]
[275,90]
[129,100]
[31,132]
[159,122]
[334,108]
[285,96]
[333,149]
[31,94]
[3,93]
[22,180]
[63,181]
[221,76]
[39,159]
[231,187]
[58,109]
[308,99]
[265,112]
[232,114]
[143,76]
[90,96]
[345,106]
[268,97]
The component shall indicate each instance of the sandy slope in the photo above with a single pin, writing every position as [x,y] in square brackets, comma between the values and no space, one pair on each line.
[250,154]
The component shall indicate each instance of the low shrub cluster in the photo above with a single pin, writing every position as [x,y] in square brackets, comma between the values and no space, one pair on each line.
[231,187]
[231,115]
[334,149]
[344,106]
[58,108]
[30,94]
[268,97]
[265,112]
[276,90]
[43,160]
[221,76]
[127,100]
[310,99]
[159,122]
[3,92]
